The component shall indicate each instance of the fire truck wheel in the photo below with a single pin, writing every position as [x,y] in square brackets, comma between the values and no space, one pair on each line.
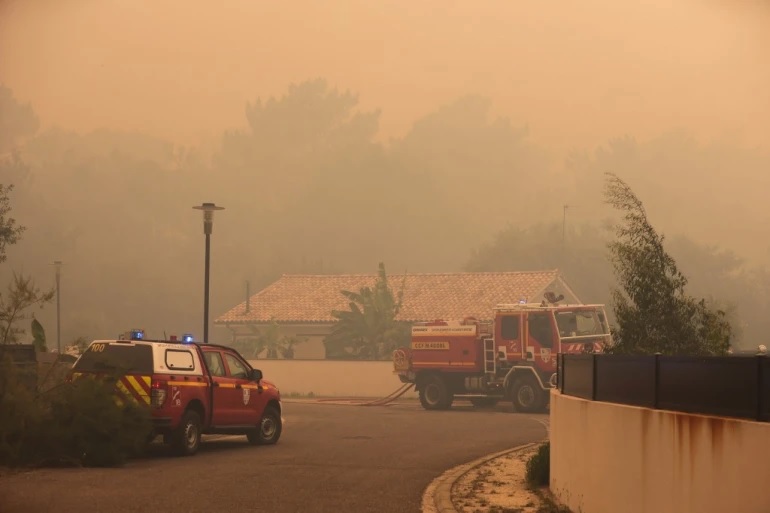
[269,430]
[527,395]
[434,394]
[484,402]
[186,439]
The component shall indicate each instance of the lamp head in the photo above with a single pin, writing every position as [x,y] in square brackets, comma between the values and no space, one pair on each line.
[208,215]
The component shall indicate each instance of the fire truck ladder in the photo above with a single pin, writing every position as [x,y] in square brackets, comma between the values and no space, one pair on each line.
[490,360]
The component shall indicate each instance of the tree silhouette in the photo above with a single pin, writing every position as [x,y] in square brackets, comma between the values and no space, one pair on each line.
[369,330]
[653,312]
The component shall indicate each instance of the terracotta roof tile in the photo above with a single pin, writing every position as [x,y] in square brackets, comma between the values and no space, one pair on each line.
[311,298]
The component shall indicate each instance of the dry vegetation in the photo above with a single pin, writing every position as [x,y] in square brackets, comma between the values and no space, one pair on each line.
[500,486]
[65,424]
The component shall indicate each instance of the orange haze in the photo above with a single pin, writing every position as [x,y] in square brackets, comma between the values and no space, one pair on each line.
[576,72]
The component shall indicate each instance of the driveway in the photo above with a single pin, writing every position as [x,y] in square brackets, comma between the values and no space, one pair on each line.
[331,458]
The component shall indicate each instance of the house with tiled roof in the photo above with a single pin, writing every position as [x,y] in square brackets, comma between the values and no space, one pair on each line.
[302,304]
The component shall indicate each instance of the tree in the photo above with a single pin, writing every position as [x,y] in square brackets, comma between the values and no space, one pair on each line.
[22,295]
[22,292]
[80,344]
[314,148]
[142,168]
[273,343]
[580,255]
[309,115]
[38,336]
[10,231]
[290,137]
[719,275]
[653,312]
[481,165]
[721,167]
[17,121]
[369,330]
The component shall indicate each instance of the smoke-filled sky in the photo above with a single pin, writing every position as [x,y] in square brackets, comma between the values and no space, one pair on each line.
[576,73]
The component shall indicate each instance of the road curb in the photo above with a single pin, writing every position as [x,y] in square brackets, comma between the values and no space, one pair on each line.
[437,497]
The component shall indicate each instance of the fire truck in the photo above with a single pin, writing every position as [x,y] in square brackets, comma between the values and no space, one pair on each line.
[512,357]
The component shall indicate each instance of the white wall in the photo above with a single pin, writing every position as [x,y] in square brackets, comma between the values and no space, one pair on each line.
[331,378]
[611,458]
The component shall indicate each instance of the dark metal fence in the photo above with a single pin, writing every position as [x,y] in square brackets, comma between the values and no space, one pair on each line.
[730,386]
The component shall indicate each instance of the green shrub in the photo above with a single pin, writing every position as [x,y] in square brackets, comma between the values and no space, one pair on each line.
[76,423]
[21,412]
[539,466]
[85,425]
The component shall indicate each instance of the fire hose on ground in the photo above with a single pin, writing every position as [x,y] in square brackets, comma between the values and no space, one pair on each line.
[390,398]
[384,401]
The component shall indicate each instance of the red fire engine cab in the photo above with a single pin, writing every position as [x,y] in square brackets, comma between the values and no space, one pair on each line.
[512,357]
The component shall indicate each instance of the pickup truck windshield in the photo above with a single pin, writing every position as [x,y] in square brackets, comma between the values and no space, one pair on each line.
[123,358]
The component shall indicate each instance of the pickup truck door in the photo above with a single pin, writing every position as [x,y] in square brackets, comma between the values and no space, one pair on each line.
[246,410]
[224,394]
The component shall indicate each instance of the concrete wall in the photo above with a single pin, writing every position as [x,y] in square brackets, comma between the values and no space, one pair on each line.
[331,378]
[610,458]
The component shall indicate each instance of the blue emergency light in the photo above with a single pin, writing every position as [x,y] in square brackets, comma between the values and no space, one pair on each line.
[187,338]
[137,334]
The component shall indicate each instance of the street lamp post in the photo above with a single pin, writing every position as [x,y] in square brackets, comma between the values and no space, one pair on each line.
[58,265]
[208,221]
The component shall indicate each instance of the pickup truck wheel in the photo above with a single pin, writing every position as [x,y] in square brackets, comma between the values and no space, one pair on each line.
[186,439]
[527,395]
[269,430]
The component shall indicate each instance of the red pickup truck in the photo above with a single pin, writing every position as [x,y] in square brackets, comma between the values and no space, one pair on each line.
[190,388]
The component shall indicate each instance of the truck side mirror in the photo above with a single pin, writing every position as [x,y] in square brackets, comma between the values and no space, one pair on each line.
[256,375]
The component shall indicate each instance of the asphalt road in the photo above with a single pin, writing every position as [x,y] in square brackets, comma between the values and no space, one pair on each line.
[330,458]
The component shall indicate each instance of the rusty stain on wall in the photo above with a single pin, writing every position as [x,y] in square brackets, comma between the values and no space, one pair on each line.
[608,457]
